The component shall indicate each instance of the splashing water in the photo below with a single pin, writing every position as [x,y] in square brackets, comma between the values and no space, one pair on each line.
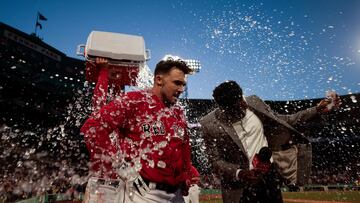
[40,159]
[44,158]
[144,79]
[268,49]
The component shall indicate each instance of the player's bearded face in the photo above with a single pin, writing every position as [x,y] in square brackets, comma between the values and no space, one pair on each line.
[173,85]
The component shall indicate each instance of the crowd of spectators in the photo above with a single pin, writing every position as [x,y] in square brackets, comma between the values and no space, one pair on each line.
[333,176]
[36,178]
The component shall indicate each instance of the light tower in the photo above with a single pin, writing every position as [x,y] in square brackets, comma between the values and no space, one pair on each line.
[195,66]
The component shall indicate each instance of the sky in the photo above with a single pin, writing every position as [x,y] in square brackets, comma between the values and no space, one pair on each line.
[276,49]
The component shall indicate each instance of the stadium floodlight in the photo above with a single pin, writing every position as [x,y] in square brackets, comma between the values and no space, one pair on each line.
[193,64]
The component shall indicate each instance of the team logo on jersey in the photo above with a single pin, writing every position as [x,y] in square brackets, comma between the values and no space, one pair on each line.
[146,128]
[157,128]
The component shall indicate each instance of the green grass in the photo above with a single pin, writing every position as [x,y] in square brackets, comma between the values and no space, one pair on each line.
[212,201]
[344,196]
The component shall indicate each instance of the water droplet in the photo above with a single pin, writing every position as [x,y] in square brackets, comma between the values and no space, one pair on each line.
[151,163]
[161,164]
[353,99]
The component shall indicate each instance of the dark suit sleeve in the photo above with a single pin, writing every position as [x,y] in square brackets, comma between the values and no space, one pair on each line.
[298,117]
[222,167]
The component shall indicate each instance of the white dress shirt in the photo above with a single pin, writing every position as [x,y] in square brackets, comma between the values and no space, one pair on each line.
[251,133]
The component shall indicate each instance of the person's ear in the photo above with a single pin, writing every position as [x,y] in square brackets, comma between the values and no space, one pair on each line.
[159,80]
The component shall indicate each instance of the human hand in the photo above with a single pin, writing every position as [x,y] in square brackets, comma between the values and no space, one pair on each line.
[101,61]
[331,102]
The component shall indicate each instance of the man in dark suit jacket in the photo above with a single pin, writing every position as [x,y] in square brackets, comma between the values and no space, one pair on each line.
[236,130]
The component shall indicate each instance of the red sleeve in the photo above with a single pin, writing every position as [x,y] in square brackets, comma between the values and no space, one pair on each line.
[194,172]
[97,129]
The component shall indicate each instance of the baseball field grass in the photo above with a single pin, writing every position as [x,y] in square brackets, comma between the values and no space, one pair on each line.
[331,196]
[311,197]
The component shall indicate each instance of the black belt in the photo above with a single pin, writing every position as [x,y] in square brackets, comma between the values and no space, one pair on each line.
[162,186]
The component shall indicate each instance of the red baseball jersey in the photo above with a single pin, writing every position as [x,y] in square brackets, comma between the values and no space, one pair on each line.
[147,133]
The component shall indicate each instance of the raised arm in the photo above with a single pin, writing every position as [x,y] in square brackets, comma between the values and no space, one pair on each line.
[300,116]
[324,106]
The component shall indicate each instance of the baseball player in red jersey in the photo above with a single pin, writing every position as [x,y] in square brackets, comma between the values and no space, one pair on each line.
[138,143]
